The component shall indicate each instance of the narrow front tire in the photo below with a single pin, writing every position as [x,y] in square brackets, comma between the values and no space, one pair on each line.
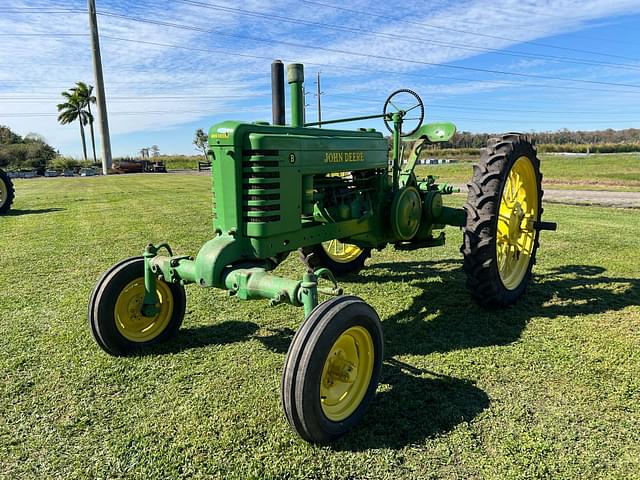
[114,314]
[332,369]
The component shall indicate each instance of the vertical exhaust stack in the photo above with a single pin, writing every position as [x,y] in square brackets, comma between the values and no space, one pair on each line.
[295,77]
[277,92]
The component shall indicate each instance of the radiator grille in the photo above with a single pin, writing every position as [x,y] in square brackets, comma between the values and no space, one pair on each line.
[260,187]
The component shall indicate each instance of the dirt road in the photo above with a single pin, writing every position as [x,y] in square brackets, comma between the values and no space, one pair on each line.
[604,198]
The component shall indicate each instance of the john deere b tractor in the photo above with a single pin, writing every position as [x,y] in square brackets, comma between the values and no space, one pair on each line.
[333,195]
[6,192]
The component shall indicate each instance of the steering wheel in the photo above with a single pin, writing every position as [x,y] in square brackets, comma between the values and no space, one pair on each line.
[404,101]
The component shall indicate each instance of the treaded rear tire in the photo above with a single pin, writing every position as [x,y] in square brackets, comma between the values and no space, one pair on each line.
[482,207]
[8,184]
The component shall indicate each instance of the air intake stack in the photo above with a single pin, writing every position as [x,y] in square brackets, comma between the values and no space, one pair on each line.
[295,77]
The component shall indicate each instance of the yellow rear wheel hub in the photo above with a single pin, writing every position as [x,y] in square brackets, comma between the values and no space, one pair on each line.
[341,252]
[130,322]
[346,374]
[517,214]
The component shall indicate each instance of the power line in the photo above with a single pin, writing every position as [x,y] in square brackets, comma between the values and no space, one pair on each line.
[502,119]
[41,11]
[365,55]
[372,70]
[148,97]
[323,25]
[492,108]
[459,46]
[369,70]
[132,112]
[486,35]
[265,107]
[519,110]
[44,34]
[333,66]
[497,82]
[447,4]
[429,106]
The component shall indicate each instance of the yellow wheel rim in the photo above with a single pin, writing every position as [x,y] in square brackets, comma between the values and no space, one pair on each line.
[341,252]
[515,232]
[346,373]
[130,322]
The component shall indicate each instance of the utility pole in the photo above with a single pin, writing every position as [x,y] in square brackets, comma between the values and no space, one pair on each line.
[318,93]
[100,96]
[304,110]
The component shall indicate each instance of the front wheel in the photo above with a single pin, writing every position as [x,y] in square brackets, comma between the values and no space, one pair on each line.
[504,207]
[115,318]
[332,369]
[341,258]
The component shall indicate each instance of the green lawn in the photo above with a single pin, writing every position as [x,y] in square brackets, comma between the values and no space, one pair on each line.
[549,388]
[616,171]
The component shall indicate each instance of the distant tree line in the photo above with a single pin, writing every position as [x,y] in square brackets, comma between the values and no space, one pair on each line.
[28,152]
[33,152]
[629,136]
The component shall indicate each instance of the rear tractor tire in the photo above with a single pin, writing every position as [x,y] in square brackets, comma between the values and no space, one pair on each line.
[115,318]
[503,207]
[341,258]
[332,369]
[7,193]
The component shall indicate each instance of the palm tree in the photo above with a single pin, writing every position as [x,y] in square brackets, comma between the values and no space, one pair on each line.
[84,92]
[72,110]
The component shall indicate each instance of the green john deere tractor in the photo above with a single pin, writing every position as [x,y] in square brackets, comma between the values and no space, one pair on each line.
[333,195]
[6,192]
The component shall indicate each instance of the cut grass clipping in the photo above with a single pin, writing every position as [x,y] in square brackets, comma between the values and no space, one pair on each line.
[546,389]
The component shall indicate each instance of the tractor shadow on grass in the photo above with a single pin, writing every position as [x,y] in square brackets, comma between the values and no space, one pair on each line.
[278,340]
[36,211]
[415,404]
[443,317]
[231,331]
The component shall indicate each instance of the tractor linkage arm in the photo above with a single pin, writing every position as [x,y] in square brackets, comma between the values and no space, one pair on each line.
[247,281]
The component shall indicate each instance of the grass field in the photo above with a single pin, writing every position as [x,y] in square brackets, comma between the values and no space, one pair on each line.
[549,388]
[612,172]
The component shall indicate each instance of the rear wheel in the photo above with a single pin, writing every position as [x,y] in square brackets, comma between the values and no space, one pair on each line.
[332,369]
[115,317]
[6,192]
[503,207]
[341,258]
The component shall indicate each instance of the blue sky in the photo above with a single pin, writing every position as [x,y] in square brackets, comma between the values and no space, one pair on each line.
[214,63]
